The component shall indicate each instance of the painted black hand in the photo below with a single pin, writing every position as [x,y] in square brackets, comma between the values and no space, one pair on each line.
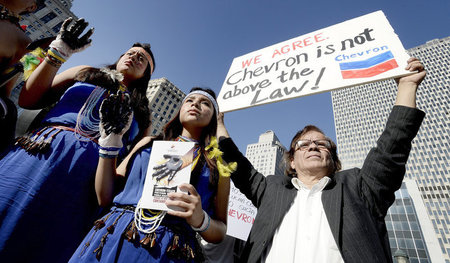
[115,113]
[71,34]
[168,169]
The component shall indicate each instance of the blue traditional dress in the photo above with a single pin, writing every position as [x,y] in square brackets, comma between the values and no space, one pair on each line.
[47,199]
[108,239]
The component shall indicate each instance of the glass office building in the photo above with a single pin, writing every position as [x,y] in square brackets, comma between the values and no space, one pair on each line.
[360,115]
[404,228]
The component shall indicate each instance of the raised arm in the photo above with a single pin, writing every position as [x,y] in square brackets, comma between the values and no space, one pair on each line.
[108,172]
[246,178]
[115,119]
[384,167]
[407,86]
[43,86]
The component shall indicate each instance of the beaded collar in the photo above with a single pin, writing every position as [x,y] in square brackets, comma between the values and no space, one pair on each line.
[5,14]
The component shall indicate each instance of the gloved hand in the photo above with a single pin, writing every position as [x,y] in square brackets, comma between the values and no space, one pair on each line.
[116,116]
[169,168]
[68,40]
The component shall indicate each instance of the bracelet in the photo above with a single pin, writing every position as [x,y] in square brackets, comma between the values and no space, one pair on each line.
[52,62]
[107,156]
[55,54]
[205,224]
[108,151]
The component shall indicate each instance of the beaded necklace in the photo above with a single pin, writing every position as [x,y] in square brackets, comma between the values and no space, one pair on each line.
[87,126]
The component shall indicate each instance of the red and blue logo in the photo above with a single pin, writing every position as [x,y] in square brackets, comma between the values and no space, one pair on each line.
[369,67]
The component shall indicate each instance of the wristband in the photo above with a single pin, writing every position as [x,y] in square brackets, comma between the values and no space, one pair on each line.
[205,224]
[53,62]
[108,151]
[106,156]
[53,52]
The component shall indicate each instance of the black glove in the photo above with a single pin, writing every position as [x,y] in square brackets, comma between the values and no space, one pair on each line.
[115,112]
[116,116]
[71,35]
[68,40]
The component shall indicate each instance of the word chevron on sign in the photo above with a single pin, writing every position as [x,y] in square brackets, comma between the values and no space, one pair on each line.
[369,67]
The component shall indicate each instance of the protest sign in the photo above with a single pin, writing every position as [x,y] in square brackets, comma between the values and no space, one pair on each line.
[241,214]
[358,51]
[169,166]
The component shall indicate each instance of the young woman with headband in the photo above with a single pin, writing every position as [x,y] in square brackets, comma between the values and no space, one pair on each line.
[120,236]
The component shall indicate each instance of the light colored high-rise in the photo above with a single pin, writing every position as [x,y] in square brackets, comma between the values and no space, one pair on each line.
[47,21]
[267,154]
[361,112]
[44,22]
[164,100]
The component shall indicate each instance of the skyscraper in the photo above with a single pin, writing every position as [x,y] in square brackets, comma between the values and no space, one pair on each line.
[47,21]
[164,100]
[44,22]
[404,229]
[361,112]
[267,154]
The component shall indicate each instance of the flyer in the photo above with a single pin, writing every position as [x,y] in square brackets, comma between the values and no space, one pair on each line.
[169,166]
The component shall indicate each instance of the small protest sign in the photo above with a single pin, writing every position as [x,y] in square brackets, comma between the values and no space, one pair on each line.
[241,214]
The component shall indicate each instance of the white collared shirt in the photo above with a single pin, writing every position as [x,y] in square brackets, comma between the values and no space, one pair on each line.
[304,234]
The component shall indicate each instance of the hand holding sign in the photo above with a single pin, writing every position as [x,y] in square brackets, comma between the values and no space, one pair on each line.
[355,52]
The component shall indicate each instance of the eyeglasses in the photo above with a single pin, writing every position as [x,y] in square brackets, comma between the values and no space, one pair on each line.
[303,145]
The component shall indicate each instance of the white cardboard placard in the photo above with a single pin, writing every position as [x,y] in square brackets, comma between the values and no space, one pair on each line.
[357,51]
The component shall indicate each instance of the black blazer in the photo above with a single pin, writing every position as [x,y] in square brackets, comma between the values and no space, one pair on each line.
[355,201]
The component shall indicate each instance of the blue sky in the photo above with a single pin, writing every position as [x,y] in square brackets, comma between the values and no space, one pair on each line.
[194,43]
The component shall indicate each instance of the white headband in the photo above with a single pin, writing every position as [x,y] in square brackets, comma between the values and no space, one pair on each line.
[147,55]
[206,94]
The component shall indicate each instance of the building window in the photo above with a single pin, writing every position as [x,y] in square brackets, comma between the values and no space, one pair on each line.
[40,7]
[48,17]
[57,27]
[31,28]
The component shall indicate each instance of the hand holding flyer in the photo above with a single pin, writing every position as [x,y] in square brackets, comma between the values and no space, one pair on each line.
[169,166]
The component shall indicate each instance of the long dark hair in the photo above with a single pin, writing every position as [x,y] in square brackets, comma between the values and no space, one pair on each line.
[174,128]
[137,88]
